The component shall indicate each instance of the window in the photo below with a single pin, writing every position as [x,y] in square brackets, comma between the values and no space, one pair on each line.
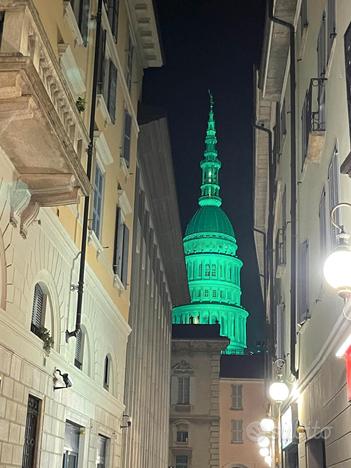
[237,397]
[38,309]
[303,283]
[107,372]
[237,431]
[107,78]
[81,12]
[206,293]
[213,270]
[31,432]
[184,390]
[102,445]
[112,14]
[200,270]
[129,69]
[282,126]
[347,50]
[121,249]
[182,436]
[98,200]
[127,137]
[78,359]
[321,49]
[322,224]
[2,19]
[305,127]
[207,270]
[315,452]
[303,16]
[333,194]
[280,330]
[331,26]
[182,461]
[71,445]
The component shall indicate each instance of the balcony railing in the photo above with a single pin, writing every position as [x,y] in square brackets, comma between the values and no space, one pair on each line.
[313,121]
[41,131]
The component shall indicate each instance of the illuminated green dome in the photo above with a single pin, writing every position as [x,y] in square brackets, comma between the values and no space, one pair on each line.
[210,219]
[213,268]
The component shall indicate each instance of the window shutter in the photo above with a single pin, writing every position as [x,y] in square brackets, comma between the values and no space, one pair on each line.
[304,312]
[331,30]
[321,48]
[84,20]
[333,195]
[112,13]
[112,91]
[38,309]
[127,136]
[101,62]
[117,257]
[106,372]
[125,255]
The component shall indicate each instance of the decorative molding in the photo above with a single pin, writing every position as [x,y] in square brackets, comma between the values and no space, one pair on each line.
[124,202]
[102,148]
[182,367]
[101,105]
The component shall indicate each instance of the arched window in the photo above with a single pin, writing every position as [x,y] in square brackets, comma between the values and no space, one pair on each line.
[207,269]
[38,309]
[107,372]
[80,339]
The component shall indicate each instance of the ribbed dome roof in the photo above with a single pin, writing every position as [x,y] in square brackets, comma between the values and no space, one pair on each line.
[210,219]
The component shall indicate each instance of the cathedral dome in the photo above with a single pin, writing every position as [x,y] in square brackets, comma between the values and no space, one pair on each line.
[210,219]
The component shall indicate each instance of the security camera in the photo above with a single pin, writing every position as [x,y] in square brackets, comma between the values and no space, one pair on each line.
[68,382]
[61,380]
[126,421]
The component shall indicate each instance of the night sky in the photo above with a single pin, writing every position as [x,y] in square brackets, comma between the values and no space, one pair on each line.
[213,44]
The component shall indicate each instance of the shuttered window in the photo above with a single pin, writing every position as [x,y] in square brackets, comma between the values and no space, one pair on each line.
[112,90]
[112,9]
[81,12]
[38,309]
[280,330]
[129,69]
[98,201]
[127,136]
[237,397]
[322,224]
[321,48]
[303,283]
[78,360]
[184,390]
[331,26]
[237,431]
[107,78]
[333,195]
[121,248]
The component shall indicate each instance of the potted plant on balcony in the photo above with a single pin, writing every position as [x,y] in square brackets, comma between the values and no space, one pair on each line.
[80,103]
[48,341]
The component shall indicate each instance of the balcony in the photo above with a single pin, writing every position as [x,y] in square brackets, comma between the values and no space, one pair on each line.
[313,121]
[41,130]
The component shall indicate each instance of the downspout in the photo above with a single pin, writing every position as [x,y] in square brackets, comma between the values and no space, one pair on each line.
[293,201]
[83,250]
[268,239]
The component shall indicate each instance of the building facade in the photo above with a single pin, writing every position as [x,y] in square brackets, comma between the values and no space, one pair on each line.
[194,416]
[243,404]
[213,268]
[62,367]
[158,283]
[302,168]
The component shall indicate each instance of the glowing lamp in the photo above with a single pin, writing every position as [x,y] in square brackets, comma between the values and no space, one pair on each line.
[263,441]
[278,391]
[267,424]
[337,269]
[264,452]
[268,460]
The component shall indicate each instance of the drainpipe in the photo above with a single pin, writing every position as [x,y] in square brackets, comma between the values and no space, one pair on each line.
[268,239]
[83,250]
[293,201]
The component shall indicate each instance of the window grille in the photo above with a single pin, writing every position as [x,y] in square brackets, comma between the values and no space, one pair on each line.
[237,431]
[98,200]
[237,397]
[31,432]
[184,390]
[38,309]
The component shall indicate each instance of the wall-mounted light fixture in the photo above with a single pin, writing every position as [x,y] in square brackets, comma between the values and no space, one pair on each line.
[278,390]
[126,421]
[61,380]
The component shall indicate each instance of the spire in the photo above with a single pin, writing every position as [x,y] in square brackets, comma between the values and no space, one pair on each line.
[210,164]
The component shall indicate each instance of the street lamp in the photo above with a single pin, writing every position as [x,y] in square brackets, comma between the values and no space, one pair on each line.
[268,460]
[263,442]
[267,424]
[264,451]
[278,391]
[337,267]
